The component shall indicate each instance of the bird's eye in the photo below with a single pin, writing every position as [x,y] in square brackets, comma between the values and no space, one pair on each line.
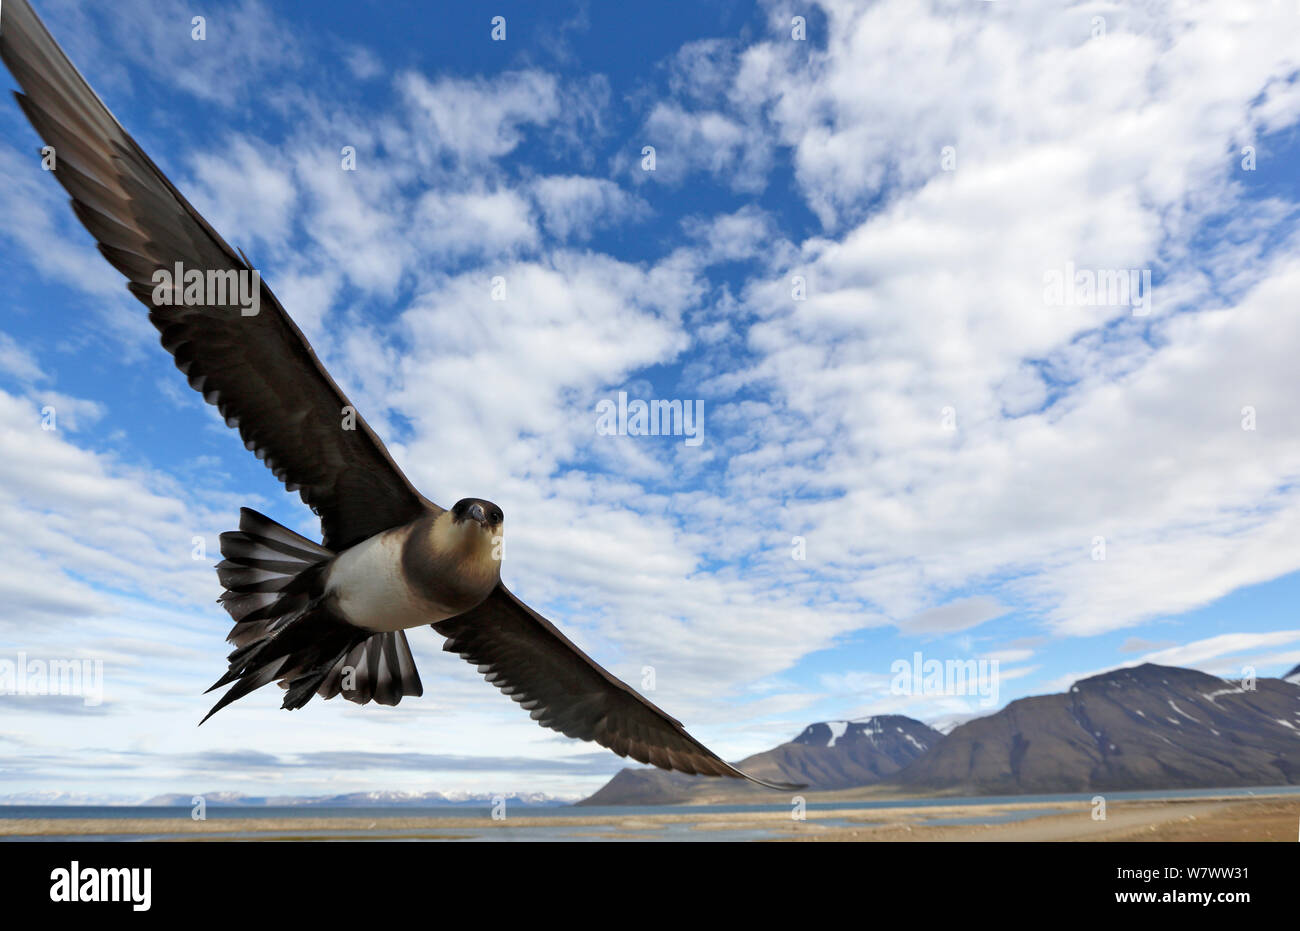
[496,516]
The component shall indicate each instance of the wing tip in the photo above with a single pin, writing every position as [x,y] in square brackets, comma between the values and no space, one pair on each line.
[777,786]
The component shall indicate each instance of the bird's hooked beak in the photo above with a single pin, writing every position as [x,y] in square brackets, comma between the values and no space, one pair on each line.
[484,513]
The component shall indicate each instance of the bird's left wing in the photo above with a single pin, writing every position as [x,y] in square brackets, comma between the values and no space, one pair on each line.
[257,368]
[526,657]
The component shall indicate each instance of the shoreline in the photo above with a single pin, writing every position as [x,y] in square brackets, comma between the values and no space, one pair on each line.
[1205,818]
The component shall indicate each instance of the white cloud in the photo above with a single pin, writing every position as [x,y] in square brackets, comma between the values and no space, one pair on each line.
[489,223]
[244,44]
[70,510]
[18,362]
[1071,423]
[1218,655]
[482,119]
[263,210]
[575,205]
[748,233]
[710,141]
[962,614]
[363,63]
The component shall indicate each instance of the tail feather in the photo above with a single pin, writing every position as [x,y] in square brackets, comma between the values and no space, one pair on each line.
[257,533]
[239,576]
[381,669]
[285,631]
[301,688]
[244,686]
[243,606]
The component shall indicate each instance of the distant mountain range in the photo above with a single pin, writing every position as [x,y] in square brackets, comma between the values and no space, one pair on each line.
[349,800]
[1145,727]
[360,800]
[828,755]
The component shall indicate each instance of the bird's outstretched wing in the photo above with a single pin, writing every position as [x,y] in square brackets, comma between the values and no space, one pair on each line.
[258,370]
[527,658]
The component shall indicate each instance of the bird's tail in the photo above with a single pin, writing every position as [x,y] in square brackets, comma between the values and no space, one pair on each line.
[285,632]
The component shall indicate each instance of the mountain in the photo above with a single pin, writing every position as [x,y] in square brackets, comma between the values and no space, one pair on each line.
[50,797]
[826,755]
[946,724]
[842,754]
[378,799]
[1145,727]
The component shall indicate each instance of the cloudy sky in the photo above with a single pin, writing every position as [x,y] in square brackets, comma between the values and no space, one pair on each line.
[844,251]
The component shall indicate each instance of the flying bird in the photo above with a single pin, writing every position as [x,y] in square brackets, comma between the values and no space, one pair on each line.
[326,618]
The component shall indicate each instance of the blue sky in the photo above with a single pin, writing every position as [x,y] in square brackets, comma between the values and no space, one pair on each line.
[947,443]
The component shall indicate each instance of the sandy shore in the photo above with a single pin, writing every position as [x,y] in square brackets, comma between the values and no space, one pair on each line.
[1236,819]
[1260,818]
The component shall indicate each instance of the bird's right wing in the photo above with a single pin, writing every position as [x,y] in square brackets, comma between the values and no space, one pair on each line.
[527,658]
[258,369]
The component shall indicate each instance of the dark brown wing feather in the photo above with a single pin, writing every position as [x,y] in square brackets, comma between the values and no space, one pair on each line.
[527,658]
[258,370]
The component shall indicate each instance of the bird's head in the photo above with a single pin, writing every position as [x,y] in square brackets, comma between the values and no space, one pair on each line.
[476,524]
[477,511]
[464,549]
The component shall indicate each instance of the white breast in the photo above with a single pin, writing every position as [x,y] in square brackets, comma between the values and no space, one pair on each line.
[370,589]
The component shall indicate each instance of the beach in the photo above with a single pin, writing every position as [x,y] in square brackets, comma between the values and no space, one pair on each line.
[1206,818]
